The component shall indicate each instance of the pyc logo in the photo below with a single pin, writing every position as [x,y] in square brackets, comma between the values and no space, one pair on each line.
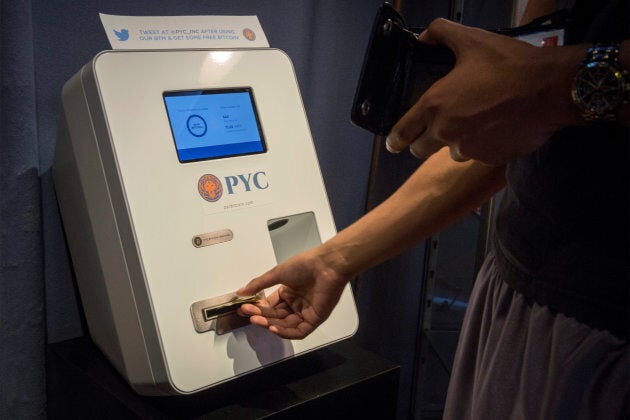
[210,188]
[246,182]
[249,34]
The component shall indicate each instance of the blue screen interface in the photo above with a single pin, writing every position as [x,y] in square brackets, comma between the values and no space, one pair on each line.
[212,124]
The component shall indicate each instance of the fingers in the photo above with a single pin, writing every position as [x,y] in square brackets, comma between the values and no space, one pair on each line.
[407,130]
[280,321]
[424,147]
[259,283]
[421,128]
[434,33]
[268,307]
[292,327]
[411,131]
[263,309]
[456,155]
[275,315]
[293,333]
[421,145]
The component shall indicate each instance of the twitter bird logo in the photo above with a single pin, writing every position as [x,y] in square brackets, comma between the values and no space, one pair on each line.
[123,35]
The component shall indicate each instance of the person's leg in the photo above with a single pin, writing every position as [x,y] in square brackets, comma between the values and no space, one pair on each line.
[520,361]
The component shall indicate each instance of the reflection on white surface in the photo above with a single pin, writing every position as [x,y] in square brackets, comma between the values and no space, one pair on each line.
[220,57]
[216,66]
[251,347]
[291,235]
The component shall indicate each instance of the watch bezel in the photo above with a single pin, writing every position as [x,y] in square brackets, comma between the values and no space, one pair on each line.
[599,94]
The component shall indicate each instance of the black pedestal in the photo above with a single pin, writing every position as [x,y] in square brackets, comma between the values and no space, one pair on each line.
[338,381]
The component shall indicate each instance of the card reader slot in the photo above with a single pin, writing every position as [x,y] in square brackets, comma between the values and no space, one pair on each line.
[228,307]
[212,313]
[219,313]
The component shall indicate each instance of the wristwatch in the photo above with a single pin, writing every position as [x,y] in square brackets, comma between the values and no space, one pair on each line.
[601,85]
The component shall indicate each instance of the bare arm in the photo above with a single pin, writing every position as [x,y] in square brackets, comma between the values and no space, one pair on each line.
[511,111]
[438,193]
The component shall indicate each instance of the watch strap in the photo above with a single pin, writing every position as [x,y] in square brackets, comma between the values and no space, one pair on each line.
[606,54]
[603,52]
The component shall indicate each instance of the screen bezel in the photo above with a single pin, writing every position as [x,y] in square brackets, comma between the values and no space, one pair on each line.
[214,91]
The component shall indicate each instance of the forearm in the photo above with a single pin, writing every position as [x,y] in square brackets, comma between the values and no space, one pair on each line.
[440,192]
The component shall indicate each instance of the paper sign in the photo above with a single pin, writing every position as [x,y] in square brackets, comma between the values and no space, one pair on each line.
[178,32]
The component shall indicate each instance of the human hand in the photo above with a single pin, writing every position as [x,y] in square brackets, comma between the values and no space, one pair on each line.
[504,98]
[309,290]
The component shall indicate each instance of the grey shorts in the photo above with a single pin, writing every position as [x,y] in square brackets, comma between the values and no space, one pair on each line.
[520,361]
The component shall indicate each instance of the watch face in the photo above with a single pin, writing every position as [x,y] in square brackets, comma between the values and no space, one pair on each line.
[599,88]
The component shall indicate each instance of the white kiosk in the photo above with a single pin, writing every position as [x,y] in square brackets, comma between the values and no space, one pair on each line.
[180,176]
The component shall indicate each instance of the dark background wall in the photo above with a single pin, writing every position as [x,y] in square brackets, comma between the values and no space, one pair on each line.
[42,44]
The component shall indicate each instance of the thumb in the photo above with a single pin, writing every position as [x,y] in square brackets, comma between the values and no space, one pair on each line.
[445,32]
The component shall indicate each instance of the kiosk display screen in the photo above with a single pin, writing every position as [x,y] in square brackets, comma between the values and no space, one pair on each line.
[214,123]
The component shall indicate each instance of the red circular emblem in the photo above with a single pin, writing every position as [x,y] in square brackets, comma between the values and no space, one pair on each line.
[210,188]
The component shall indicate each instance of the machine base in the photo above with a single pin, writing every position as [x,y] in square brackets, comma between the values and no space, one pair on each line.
[340,380]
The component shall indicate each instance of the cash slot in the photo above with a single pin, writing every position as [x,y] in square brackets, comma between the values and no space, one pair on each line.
[293,234]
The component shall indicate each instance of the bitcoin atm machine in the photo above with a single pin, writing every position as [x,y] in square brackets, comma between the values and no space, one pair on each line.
[181,175]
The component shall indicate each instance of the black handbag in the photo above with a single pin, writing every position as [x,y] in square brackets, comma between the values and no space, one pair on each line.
[398,69]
